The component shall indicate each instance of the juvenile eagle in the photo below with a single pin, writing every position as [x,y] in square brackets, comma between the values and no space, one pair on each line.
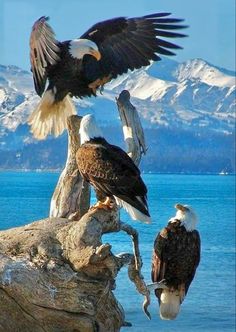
[111,171]
[175,259]
[80,66]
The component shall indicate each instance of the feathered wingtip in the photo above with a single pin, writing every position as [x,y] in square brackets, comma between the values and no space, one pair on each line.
[40,21]
[44,50]
[164,23]
[135,213]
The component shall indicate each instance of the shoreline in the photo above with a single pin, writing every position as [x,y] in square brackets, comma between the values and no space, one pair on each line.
[50,170]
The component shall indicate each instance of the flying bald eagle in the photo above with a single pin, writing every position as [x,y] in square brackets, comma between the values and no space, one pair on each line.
[80,66]
[175,259]
[111,172]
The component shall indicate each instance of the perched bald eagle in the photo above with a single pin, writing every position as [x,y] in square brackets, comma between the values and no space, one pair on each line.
[111,172]
[175,259]
[80,66]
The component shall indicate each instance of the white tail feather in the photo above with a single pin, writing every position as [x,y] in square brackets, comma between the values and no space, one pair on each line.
[50,116]
[134,213]
[169,304]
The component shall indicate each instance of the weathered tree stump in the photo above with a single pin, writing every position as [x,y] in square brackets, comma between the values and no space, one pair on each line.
[57,275]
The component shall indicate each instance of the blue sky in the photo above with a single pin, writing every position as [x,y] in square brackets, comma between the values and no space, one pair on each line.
[211,32]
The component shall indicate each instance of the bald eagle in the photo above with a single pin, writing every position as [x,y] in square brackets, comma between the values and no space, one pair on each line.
[175,259]
[80,66]
[111,172]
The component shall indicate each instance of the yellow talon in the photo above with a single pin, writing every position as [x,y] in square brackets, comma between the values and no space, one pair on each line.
[106,205]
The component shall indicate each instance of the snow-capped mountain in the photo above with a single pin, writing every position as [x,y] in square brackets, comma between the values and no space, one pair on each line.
[193,95]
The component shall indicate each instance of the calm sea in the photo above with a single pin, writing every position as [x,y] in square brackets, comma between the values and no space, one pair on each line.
[210,303]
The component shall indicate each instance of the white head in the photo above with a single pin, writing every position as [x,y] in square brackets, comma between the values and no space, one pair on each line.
[89,129]
[187,216]
[79,47]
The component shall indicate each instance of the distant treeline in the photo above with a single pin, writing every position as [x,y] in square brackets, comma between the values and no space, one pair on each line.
[169,151]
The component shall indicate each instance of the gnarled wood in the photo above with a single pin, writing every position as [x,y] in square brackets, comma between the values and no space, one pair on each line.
[57,275]
[72,193]
[136,147]
[132,128]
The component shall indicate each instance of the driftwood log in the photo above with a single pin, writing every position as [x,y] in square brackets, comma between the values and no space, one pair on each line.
[56,274]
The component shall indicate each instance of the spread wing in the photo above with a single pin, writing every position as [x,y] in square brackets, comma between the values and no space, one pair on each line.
[130,43]
[110,170]
[44,52]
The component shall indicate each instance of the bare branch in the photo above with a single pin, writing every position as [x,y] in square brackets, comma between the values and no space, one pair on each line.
[132,128]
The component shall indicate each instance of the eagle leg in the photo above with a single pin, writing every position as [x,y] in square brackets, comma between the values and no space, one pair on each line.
[99,82]
[108,204]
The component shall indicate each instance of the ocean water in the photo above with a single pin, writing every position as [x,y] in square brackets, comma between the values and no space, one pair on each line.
[210,303]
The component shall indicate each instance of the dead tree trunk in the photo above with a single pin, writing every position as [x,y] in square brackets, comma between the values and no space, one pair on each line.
[72,193]
[132,128]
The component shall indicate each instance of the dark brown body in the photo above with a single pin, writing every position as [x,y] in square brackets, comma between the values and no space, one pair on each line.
[176,257]
[112,173]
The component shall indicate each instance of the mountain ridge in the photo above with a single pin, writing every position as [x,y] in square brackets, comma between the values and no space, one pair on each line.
[192,97]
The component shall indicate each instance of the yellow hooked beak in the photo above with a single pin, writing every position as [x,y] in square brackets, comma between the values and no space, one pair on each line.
[96,54]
